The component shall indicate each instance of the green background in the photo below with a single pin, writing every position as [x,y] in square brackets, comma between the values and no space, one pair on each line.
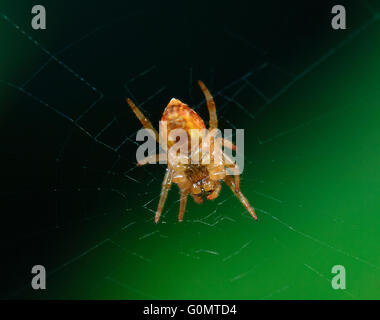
[72,199]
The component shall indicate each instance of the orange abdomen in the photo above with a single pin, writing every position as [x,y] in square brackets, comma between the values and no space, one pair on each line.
[178,115]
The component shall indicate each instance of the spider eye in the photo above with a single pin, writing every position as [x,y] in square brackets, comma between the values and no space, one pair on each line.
[208,186]
[197,190]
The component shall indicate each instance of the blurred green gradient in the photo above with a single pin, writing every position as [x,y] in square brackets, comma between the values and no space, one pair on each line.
[324,176]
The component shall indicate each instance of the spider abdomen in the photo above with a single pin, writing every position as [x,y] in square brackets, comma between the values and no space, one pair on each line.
[178,115]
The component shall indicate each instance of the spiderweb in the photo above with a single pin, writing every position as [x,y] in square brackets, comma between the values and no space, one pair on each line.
[102,206]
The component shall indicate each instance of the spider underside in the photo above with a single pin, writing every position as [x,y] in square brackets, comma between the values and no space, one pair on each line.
[194,179]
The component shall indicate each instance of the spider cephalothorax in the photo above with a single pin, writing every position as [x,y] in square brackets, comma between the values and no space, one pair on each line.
[197,168]
[198,181]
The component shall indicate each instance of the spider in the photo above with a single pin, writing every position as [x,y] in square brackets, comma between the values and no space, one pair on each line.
[194,179]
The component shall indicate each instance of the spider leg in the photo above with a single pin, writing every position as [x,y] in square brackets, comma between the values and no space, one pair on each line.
[234,168]
[197,199]
[228,144]
[212,146]
[215,193]
[166,184]
[154,158]
[144,120]
[210,105]
[230,182]
[182,205]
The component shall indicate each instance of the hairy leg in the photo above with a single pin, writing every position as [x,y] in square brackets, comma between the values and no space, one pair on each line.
[230,182]
[182,204]
[166,184]
[228,144]
[229,163]
[210,104]
[144,120]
